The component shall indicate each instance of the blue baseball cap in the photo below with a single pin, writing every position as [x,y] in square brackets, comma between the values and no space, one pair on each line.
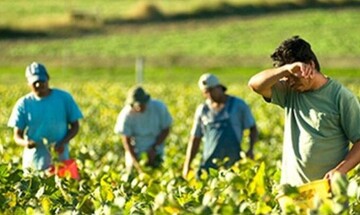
[36,72]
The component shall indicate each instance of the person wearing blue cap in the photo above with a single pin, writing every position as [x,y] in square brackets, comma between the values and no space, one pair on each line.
[220,121]
[143,124]
[46,117]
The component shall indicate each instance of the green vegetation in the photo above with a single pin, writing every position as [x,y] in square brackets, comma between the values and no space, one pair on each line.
[25,14]
[245,39]
[93,58]
[105,188]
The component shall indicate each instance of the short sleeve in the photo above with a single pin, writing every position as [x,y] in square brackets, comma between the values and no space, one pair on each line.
[247,118]
[18,115]
[197,124]
[350,112]
[73,110]
[165,117]
[123,124]
[279,92]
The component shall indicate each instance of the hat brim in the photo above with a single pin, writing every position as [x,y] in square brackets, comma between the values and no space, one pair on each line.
[219,85]
[34,78]
[139,101]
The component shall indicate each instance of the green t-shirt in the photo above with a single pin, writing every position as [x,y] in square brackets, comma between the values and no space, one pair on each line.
[318,127]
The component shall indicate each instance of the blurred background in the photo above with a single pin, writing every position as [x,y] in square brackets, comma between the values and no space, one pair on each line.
[97,49]
[173,35]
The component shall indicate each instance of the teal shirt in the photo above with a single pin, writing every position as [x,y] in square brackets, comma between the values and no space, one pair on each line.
[45,121]
[318,128]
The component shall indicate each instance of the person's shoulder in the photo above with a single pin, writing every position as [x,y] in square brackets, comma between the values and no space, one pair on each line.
[27,97]
[125,110]
[125,114]
[340,89]
[237,100]
[334,83]
[201,108]
[58,91]
[239,103]
[334,87]
[157,103]
[205,105]
[62,94]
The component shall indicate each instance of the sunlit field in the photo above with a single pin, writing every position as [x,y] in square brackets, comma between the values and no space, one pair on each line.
[106,188]
[90,49]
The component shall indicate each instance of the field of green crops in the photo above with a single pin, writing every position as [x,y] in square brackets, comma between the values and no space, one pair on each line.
[105,187]
[95,63]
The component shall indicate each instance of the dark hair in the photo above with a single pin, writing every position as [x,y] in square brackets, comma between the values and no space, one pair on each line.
[292,50]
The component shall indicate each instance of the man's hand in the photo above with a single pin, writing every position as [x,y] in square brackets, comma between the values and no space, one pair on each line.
[331,173]
[151,156]
[31,144]
[59,148]
[250,154]
[301,70]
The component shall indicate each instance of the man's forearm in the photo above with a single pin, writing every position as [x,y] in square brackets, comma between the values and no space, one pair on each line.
[191,151]
[253,136]
[264,80]
[129,148]
[351,160]
[162,136]
[19,138]
[71,133]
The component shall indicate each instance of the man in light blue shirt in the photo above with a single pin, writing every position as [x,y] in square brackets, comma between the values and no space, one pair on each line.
[143,124]
[44,118]
[220,121]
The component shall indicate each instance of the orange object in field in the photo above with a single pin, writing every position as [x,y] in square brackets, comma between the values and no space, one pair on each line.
[66,168]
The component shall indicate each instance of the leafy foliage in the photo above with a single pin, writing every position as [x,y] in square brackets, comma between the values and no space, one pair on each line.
[249,187]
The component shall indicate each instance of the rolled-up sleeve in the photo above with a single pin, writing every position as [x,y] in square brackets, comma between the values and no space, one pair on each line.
[166,119]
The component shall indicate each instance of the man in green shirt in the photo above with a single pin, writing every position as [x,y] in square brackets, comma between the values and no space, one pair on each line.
[321,116]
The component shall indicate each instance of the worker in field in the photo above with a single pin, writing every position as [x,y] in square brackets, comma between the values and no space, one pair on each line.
[220,121]
[143,124]
[321,116]
[43,119]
